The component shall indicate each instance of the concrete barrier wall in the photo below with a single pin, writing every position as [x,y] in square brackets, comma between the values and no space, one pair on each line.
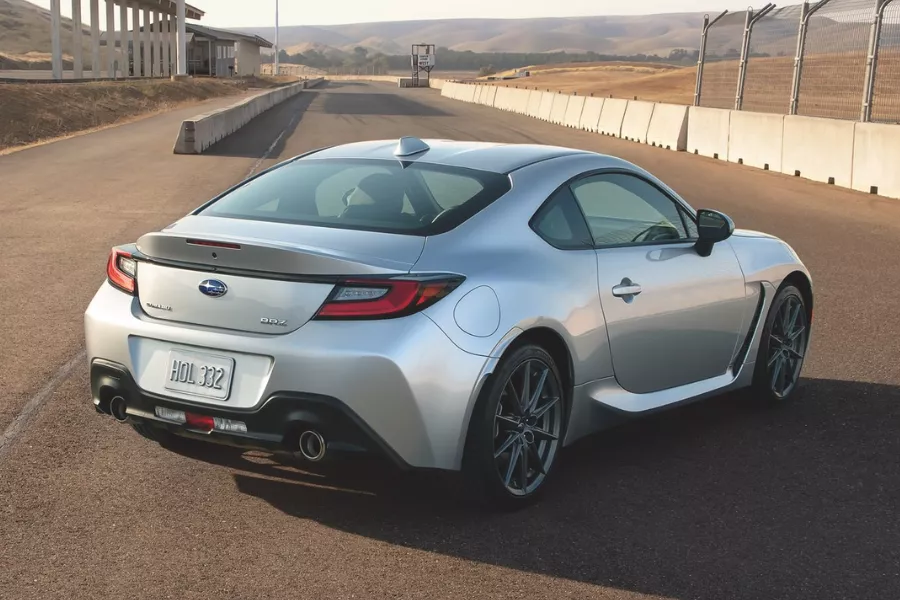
[199,133]
[668,127]
[756,139]
[573,112]
[546,107]
[489,96]
[590,116]
[636,121]
[859,156]
[876,159]
[519,100]
[558,108]
[611,116]
[819,149]
[533,109]
[708,130]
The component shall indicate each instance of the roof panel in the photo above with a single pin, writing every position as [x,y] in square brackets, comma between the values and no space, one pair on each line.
[486,156]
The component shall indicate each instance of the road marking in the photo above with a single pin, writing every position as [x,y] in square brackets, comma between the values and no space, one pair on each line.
[18,424]
[275,143]
[31,407]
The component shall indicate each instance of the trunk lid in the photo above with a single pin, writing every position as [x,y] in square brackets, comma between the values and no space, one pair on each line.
[261,277]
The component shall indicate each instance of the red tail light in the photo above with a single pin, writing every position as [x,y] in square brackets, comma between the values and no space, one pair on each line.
[384,298]
[121,270]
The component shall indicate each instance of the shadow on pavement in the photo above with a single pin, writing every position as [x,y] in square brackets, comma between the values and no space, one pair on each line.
[720,499]
[254,139]
[376,104]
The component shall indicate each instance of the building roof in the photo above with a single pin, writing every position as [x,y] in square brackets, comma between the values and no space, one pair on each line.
[223,34]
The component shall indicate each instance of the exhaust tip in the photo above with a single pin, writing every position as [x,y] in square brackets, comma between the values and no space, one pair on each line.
[118,409]
[312,445]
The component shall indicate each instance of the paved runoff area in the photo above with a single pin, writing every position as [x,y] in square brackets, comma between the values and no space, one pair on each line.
[720,499]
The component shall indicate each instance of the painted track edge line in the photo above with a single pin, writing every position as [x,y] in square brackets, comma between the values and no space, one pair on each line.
[15,429]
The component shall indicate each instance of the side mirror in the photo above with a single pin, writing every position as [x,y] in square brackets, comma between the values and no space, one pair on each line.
[713,227]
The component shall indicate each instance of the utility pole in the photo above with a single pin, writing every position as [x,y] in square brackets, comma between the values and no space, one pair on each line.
[277,71]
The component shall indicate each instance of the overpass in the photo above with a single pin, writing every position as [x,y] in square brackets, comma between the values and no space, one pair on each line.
[716,501]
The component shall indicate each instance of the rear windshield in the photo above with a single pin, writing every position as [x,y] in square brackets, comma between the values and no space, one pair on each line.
[372,195]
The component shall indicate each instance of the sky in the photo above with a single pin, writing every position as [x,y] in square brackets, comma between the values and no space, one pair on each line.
[261,13]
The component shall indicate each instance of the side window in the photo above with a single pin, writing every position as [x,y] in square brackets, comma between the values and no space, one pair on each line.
[624,209]
[561,223]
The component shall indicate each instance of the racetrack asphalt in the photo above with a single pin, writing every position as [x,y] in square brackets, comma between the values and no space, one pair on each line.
[718,500]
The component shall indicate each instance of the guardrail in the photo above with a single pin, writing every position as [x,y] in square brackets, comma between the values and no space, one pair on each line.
[199,133]
[855,155]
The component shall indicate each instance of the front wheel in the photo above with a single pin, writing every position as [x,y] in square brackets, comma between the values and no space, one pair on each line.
[782,348]
[516,430]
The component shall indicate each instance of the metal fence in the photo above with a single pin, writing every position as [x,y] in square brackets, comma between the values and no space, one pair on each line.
[834,58]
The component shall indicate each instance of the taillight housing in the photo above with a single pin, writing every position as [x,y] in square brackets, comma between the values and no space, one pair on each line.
[388,298]
[121,270]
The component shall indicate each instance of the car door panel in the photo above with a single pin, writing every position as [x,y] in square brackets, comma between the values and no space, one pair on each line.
[685,323]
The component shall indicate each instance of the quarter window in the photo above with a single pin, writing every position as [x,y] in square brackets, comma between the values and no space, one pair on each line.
[624,209]
[561,223]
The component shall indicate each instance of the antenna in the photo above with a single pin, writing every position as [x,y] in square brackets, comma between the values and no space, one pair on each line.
[407,146]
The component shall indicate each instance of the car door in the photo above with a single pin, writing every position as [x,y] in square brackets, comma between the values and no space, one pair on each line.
[673,316]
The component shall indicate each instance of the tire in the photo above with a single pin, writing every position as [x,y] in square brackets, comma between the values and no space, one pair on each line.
[782,348]
[502,430]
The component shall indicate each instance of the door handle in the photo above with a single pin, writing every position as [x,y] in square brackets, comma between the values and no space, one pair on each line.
[626,288]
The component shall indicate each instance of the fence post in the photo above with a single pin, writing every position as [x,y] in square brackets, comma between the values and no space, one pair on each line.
[745,50]
[702,59]
[872,60]
[805,14]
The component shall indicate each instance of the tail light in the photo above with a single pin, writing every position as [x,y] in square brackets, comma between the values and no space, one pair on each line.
[384,298]
[121,270]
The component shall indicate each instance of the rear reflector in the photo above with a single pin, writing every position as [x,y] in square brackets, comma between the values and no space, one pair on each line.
[384,298]
[121,270]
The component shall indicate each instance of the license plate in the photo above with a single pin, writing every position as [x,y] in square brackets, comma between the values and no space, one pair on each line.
[199,374]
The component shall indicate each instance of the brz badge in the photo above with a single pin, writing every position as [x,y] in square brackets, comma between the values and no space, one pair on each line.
[159,306]
[276,322]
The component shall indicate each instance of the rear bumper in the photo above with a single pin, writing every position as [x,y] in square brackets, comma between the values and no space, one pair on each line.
[275,425]
[402,382]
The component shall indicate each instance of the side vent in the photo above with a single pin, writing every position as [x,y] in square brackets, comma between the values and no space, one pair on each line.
[751,332]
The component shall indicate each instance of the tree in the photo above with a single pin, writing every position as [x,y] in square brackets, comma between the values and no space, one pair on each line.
[485,71]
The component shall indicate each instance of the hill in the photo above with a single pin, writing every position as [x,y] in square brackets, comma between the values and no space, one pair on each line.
[648,34]
[25,27]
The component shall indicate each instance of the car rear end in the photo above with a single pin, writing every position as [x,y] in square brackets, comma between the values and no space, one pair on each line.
[287,314]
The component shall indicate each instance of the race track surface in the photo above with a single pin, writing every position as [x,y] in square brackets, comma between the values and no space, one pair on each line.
[718,500]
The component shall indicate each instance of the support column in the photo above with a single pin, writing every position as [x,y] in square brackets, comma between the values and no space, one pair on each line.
[136,40]
[77,41]
[95,39]
[56,47]
[123,38]
[145,35]
[166,68]
[173,48]
[181,38]
[157,44]
[110,39]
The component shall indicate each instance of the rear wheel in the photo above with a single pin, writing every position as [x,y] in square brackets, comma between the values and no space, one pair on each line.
[516,430]
[782,348]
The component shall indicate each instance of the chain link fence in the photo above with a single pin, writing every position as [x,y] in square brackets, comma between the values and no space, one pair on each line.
[837,59]
[886,97]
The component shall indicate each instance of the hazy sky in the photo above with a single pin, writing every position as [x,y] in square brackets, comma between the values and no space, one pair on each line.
[247,13]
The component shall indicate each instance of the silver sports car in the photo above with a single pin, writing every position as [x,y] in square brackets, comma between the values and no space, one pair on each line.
[449,305]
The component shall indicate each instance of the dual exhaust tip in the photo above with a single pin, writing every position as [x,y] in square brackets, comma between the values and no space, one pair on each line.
[311,443]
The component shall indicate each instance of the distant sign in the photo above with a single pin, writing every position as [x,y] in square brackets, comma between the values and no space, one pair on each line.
[424,60]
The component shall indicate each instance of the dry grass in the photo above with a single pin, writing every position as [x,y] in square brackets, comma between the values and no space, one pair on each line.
[655,82]
[35,112]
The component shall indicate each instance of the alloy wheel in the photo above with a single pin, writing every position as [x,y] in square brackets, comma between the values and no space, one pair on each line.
[787,345]
[527,426]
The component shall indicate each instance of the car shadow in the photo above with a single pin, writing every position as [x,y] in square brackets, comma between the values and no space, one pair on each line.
[255,138]
[724,498]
